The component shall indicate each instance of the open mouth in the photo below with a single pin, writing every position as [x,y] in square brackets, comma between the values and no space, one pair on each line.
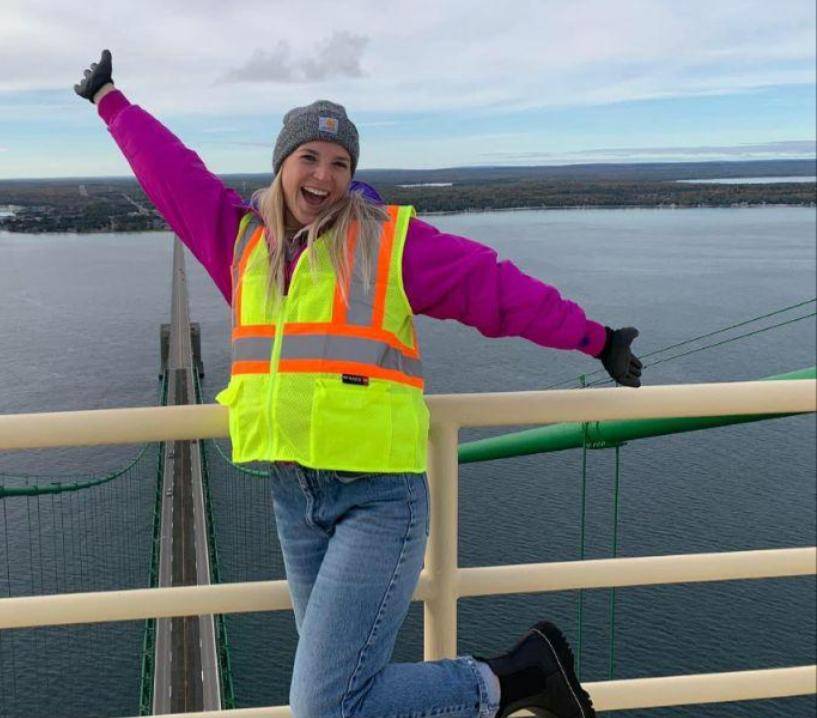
[314,197]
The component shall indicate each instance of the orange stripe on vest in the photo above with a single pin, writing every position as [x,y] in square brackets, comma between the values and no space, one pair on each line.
[242,265]
[250,367]
[383,261]
[321,366]
[253,330]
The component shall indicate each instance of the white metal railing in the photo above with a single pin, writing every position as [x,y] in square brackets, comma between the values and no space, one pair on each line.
[442,582]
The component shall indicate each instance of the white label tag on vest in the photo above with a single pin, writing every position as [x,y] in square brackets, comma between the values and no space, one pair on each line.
[355,379]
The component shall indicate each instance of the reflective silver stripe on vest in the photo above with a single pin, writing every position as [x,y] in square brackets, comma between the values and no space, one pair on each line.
[252,349]
[361,294]
[357,349]
[240,245]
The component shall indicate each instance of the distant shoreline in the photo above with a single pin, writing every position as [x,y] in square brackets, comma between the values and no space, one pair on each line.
[443,213]
[755,205]
[95,206]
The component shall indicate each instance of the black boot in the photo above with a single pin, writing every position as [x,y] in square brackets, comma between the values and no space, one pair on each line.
[537,674]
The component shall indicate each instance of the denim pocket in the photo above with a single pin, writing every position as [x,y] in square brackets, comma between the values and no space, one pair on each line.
[347,477]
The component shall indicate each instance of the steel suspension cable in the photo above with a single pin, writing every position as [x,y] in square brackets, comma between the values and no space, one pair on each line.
[608,380]
[8,581]
[698,338]
[582,537]
[614,552]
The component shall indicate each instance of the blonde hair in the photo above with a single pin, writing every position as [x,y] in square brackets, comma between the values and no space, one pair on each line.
[336,219]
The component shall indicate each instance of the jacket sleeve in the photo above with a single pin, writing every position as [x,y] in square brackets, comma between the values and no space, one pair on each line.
[194,202]
[451,277]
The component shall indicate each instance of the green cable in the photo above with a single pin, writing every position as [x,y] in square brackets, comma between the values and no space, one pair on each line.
[703,336]
[585,425]
[149,635]
[240,469]
[227,459]
[726,341]
[8,579]
[54,543]
[615,553]
[228,699]
[55,488]
[711,346]
[734,326]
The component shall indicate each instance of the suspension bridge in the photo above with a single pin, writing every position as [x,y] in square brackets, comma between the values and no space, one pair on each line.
[182,515]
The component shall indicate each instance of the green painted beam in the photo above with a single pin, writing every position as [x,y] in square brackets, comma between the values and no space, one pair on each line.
[603,434]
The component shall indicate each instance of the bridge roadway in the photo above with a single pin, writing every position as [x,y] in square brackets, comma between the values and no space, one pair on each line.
[186,675]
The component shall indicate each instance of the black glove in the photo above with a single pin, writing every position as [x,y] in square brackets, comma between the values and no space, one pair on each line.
[618,360]
[98,75]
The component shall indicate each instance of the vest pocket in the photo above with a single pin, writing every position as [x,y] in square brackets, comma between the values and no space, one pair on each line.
[352,425]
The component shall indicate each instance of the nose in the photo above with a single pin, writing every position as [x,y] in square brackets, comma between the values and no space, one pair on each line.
[321,171]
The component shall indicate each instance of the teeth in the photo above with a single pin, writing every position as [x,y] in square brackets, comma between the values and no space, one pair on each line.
[316,192]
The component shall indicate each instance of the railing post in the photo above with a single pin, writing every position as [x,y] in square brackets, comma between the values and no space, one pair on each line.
[440,611]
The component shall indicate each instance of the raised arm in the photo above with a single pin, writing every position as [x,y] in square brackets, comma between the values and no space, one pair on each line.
[200,209]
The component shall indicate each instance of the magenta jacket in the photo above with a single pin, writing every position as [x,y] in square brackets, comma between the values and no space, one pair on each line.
[445,276]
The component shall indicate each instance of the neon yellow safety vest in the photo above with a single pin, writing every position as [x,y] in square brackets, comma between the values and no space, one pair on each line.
[326,383]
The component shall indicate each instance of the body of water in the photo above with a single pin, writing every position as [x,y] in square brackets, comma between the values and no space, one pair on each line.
[750,180]
[82,317]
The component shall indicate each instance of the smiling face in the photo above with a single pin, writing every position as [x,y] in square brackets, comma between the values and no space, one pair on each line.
[314,176]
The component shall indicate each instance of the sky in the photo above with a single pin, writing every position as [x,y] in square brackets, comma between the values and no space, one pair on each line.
[428,84]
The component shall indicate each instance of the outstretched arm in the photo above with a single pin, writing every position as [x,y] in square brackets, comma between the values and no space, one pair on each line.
[451,277]
[200,209]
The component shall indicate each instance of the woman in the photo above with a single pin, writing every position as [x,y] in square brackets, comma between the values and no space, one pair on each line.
[326,385]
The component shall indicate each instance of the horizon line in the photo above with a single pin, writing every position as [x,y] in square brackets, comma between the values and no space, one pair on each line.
[462,167]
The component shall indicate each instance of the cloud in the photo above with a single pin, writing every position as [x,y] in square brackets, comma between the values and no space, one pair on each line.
[337,57]
[4,149]
[444,69]
[423,56]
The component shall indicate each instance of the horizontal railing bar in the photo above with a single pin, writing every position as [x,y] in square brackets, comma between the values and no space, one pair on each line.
[72,608]
[113,426]
[260,712]
[643,692]
[605,434]
[648,402]
[703,688]
[141,603]
[166,423]
[135,604]
[639,571]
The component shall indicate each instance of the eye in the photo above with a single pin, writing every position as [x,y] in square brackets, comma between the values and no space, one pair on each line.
[309,158]
[342,163]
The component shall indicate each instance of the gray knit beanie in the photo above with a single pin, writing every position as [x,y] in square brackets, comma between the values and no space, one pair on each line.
[322,120]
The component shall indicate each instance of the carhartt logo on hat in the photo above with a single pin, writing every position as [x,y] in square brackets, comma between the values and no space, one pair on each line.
[328,125]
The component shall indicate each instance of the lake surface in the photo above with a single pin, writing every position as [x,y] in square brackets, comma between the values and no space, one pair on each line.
[750,180]
[81,321]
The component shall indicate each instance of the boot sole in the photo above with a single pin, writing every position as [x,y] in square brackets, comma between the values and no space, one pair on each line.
[559,647]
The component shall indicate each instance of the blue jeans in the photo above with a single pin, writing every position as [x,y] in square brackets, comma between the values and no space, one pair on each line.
[353,547]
